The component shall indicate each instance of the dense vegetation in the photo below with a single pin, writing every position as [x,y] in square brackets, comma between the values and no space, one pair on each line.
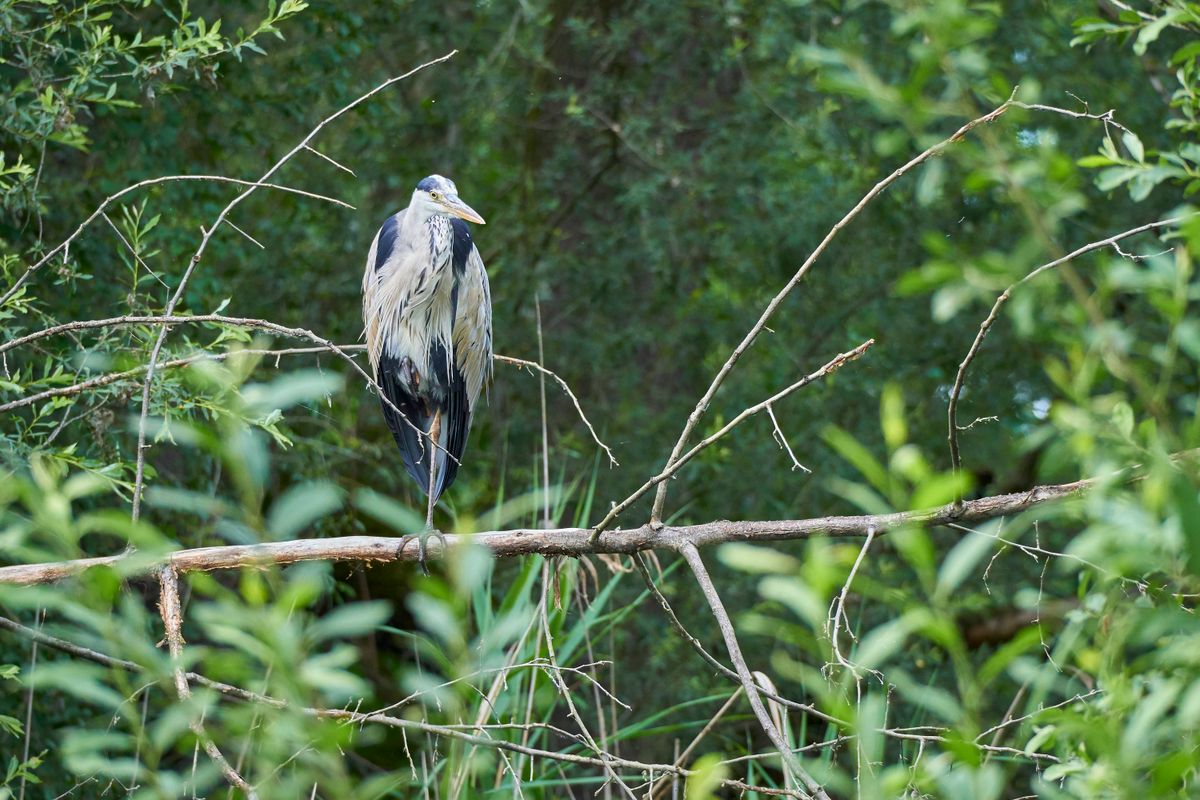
[653,174]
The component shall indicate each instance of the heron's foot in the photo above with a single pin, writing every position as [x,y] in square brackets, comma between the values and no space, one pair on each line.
[423,545]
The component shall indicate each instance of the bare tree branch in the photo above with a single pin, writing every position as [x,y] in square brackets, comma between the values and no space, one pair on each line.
[560,541]
[956,392]
[678,461]
[172,616]
[702,405]
[692,555]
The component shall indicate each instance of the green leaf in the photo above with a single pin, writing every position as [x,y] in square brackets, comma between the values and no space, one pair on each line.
[302,505]
[1134,145]
[1151,32]
[859,457]
[1122,418]
[757,559]
[295,387]
[895,427]
[348,621]
[400,518]
[708,772]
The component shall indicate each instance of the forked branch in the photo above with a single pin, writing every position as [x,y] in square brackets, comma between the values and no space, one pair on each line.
[702,405]
[834,364]
[560,541]
[985,326]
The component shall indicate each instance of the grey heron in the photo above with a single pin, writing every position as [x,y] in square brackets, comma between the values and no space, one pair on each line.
[427,314]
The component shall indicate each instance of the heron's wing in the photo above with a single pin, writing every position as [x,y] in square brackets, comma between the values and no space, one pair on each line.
[409,427]
[472,318]
[383,251]
[470,360]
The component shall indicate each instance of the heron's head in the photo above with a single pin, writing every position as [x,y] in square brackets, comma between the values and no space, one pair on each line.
[437,195]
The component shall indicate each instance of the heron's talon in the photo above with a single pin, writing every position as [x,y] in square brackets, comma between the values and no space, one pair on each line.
[423,546]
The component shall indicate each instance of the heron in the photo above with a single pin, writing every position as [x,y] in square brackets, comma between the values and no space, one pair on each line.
[427,317]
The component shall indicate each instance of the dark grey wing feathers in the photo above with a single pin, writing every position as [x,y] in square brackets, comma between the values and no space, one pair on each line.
[386,241]
[412,444]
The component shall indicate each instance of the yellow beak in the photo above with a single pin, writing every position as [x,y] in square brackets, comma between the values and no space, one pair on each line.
[460,209]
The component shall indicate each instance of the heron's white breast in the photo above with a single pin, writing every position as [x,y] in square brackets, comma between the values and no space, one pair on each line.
[407,303]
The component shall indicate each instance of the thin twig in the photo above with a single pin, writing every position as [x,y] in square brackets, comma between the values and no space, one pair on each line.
[134,252]
[64,246]
[838,611]
[660,787]
[679,461]
[254,241]
[1009,722]
[319,154]
[546,523]
[30,679]
[1107,117]
[985,326]
[561,685]
[783,442]
[520,362]
[702,405]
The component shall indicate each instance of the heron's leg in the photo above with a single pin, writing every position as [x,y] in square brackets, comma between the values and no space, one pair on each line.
[435,431]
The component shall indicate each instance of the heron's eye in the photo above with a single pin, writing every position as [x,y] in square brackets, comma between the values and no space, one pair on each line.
[435,195]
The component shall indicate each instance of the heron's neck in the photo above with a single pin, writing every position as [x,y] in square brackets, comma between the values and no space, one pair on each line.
[430,233]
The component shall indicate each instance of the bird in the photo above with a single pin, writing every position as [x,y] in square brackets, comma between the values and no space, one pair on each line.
[427,319]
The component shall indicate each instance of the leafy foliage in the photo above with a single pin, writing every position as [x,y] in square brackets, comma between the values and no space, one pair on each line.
[660,170]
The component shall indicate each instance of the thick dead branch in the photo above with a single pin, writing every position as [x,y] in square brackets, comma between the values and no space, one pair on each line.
[559,541]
